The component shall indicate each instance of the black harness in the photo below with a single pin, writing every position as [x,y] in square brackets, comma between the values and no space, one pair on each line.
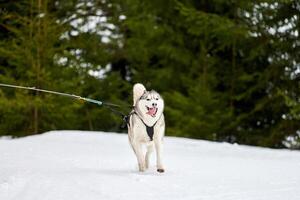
[149,129]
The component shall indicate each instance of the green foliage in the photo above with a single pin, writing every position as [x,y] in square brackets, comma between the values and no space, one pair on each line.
[218,64]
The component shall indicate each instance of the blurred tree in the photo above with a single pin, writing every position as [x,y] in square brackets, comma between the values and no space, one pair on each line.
[219,63]
[228,70]
[28,54]
[270,59]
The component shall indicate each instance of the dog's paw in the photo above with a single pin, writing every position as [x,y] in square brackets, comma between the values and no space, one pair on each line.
[160,170]
[142,168]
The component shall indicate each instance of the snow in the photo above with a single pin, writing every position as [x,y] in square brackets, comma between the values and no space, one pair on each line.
[78,165]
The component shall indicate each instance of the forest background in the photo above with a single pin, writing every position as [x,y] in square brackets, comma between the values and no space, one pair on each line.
[227,70]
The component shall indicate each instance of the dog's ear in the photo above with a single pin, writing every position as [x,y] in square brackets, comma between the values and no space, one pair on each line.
[138,90]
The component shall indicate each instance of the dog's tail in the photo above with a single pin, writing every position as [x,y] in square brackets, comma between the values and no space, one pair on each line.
[138,91]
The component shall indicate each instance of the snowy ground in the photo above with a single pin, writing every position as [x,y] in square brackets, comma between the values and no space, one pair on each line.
[73,165]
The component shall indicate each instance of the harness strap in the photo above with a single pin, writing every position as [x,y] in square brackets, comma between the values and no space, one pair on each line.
[149,129]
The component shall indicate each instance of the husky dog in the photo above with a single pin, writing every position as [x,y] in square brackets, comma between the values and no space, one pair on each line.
[146,126]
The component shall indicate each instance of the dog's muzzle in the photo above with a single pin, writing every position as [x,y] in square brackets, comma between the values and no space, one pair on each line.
[152,111]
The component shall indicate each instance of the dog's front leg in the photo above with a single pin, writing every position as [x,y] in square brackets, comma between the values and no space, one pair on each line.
[158,147]
[147,157]
[139,155]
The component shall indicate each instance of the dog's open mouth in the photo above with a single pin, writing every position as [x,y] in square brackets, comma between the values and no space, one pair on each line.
[151,111]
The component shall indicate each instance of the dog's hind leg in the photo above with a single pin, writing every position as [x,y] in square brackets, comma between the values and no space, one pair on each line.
[147,157]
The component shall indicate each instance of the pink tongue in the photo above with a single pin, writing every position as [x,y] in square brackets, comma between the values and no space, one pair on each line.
[151,111]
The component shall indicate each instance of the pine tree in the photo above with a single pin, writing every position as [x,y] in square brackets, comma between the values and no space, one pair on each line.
[28,59]
[228,70]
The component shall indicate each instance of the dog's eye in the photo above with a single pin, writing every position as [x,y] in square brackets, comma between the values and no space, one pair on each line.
[148,99]
[156,98]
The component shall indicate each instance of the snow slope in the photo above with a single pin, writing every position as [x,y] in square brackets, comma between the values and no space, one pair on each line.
[74,165]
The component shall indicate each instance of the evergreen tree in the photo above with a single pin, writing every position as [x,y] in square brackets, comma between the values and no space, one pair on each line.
[228,70]
[27,55]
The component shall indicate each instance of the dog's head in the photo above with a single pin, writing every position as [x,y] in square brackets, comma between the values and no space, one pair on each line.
[150,104]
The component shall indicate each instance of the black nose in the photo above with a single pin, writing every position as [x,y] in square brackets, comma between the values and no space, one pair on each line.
[154,104]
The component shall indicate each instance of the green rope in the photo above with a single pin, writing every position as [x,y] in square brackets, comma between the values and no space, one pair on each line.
[100,103]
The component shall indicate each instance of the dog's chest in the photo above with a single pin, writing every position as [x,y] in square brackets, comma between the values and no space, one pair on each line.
[141,131]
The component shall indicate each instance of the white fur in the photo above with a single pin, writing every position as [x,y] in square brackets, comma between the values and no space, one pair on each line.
[137,133]
[138,91]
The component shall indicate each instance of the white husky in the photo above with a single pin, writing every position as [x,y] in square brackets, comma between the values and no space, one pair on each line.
[146,126]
